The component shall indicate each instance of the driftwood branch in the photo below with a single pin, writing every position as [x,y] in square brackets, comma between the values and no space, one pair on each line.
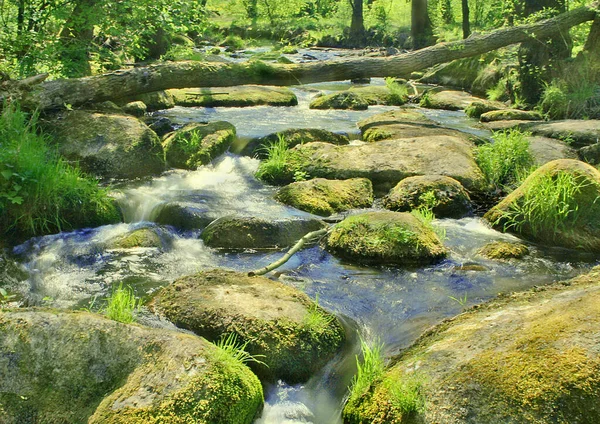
[132,82]
[299,244]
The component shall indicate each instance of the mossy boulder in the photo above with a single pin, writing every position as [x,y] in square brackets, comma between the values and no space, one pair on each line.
[186,215]
[232,232]
[523,358]
[157,100]
[198,144]
[342,100]
[578,133]
[448,100]
[241,96]
[544,149]
[511,115]
[387,162]
[590,154]
[295,335]
[326,197]
[142,237]
[444,195]
[556,205]
[503,250]
[293,136]
[402,123]
[478,108]
[137,108]
[387,238]
[379,95]
[108,145]
[74,367]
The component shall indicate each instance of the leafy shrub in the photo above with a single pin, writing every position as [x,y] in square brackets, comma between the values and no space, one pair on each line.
[507,160]
[122,305]
[41,193]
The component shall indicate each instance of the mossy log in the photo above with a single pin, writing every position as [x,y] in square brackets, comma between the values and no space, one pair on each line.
[77,91]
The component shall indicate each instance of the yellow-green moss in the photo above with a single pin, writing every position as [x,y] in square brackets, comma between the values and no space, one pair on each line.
[504,250]
[143,237]
[342,100]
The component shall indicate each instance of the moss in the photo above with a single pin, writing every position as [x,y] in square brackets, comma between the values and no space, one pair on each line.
[385,238]
[379,95]
[511,114]
[242,96]
[343,100]
[198,144]
[326,197]
[376,134]
[476,109]
[504,250]
[271,317]
[143,237]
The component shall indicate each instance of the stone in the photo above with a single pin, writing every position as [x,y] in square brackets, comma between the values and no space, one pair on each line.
[504,250]
[295,335]
[108,145]
[324,197]
[239,96]
[198,144]
[478,108]
[142,237]
[511,115]
[293,136]
[342,100]
[385,238]
[185,216]
[544,150]
[445,196]
[233,232]
[448,100]
[73,367]
[136,108]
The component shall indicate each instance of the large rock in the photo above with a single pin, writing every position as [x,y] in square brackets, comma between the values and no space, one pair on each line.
[511,115]
[294,136]
[342,100]
[530,357]
[198,144]
[74,367]
[387,162]
[388,238]
[500,250]
[448,100]
[155,100]
[186,215]
[240,96]
[556,205]
[379,95]
[590,154]
[108,145]
[295,335]
[232,232]
[142,237]
[445,196]
[326,197]
[544,149]
[578,133]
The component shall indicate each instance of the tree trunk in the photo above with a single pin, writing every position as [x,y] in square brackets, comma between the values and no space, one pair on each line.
[420,25]
[125,83]
[592,45]
[357,26]
[466,26]
[76,37]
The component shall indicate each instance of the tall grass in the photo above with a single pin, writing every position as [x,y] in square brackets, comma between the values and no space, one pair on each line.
[368,370]
[507,160]
[230,349]
[40,192]
[276,167]
[316,318]
[406,394]
[122,305]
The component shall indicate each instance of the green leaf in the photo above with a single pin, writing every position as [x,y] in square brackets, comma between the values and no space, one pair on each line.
[7,174]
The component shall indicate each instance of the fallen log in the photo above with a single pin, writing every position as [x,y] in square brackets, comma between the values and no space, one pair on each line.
[125,83]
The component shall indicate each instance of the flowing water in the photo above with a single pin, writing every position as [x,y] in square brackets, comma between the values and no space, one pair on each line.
[392,305]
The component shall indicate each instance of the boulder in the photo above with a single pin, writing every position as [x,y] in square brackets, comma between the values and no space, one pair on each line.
[386,238]
[445,196]
[233,232]
[293,136]
[528,357]
[556,205]
[326,197]
[341,100]
[240,96]
[185,215]
[142,237]
[198,144]
[578,133]
[544,150]
[387,162]
[156,100]
[108,145]
[590,154]
[503,250]
[136,108]
[511,115]
[73,367]
[448,100]
[380,95]
[295,335]
[478,108]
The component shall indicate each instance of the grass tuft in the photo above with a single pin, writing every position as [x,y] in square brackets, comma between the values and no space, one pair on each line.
[369,370]
[232,349]
[122,305]
[316,318]
[276,168]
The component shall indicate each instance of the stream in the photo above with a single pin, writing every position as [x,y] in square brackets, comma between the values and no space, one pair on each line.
[390,305]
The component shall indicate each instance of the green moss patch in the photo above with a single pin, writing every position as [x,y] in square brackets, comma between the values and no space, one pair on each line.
[510,115]
[343,100]
[504,250]
[242,96]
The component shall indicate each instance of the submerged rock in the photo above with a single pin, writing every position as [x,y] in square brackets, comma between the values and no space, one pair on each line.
[232,232]
[72,367]
[504,250]
[198,144]
[294,136]
[445,196]
[342,100]
[108,145]
[448,100]
[295,335]
[388,238]
[525,358]
[511,115]
[326,197]
[387,162]
[556,205]
[240,96]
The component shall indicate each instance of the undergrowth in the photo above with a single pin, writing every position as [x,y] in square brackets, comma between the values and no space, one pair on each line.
[40,192]
[507,160]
